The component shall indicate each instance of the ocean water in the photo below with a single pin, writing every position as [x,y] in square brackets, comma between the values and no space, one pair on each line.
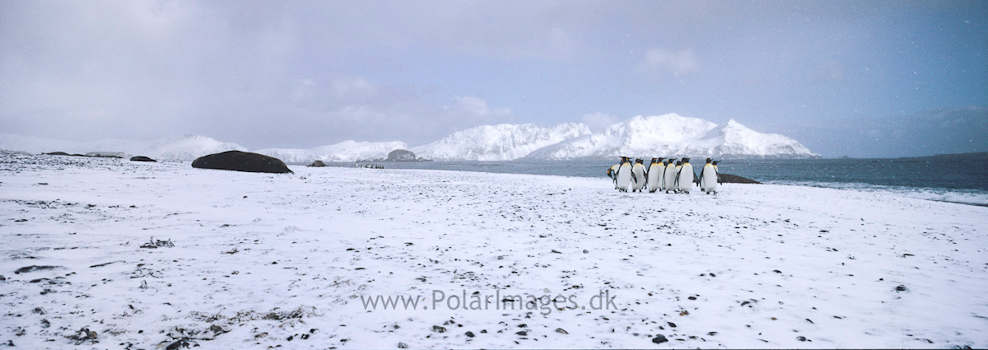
[953,178]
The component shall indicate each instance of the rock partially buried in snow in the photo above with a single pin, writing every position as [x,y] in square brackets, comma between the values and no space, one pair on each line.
[317,164]
[734,179]
[242,161]
[142,159]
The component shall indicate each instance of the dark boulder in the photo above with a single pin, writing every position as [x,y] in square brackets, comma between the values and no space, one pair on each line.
[142,159]
[317,164]
[401,155]
[734,179]
[56,154]
[242,161]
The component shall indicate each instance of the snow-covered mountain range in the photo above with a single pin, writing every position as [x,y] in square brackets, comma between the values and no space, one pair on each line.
[668,135]
[346,151]
[672,135]
[499,142]
[181,148]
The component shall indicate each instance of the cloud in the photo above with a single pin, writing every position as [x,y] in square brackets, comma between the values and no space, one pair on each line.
[301,74]
[676,62]
[598,121]
[476,108]
[361,109]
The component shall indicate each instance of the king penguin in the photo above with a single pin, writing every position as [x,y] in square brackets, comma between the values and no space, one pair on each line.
[708,178]
[623,175]
[638,175]
[655,175]
[669,176]
[719,181]
[685,177]
[612,173]
[662,174]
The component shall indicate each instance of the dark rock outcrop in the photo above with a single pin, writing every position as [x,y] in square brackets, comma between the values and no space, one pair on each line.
[317,164]
[142,159]
[242,161]
[90,154]
[118,155]
[734,179]
[401,155]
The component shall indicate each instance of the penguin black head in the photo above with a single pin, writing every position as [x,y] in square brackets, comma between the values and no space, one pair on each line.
[655,160]
[679,162]
[708,160]
[639,161]
[715,162]
[686,160]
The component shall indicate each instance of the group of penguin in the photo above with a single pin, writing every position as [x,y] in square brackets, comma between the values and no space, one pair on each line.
[669,175]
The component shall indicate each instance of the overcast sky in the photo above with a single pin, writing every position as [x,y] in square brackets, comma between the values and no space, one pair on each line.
[303,74]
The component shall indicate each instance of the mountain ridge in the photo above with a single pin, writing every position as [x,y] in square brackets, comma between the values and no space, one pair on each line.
[667,135]
[672,135]
[498,142]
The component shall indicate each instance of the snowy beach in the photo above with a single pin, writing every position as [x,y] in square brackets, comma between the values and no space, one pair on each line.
[148,256]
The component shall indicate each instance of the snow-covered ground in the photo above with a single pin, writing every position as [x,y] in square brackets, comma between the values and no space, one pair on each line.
[246,260]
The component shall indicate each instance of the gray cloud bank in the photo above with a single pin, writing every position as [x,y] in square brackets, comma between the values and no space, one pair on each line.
[301,74]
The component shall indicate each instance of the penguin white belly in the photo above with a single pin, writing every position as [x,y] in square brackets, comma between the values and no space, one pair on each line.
[709,181]
[654,174]
[670,177]
[686,178]
[638,180]
[624,177]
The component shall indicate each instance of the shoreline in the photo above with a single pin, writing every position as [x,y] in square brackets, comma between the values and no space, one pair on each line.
[906,191]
